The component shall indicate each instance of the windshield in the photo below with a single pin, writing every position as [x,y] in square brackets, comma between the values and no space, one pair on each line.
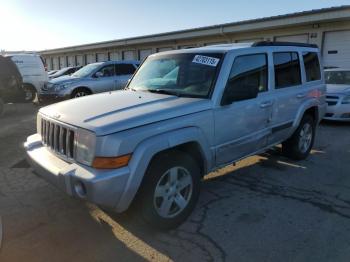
[190,75]
[86,70]
[338,77]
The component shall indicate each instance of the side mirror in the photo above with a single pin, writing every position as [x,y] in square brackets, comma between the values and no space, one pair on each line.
[98,74]
[238,91]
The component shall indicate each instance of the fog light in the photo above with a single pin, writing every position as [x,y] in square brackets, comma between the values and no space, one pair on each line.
[80,189]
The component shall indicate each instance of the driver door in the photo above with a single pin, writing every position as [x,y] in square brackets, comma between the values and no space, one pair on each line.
[104,79]
[241,126]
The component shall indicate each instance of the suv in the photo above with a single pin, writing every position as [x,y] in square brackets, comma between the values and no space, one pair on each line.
[33,71]
[91,79]
[186,113]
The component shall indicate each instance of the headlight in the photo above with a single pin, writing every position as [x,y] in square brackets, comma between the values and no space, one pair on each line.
[61,87]
[85,146]
[346,100]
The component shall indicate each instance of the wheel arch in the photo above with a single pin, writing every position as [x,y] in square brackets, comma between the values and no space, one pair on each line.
[190,140]
[80,88]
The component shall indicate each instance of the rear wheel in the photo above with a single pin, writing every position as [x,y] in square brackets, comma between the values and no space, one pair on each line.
[170,190]
[80,92]
[299,145]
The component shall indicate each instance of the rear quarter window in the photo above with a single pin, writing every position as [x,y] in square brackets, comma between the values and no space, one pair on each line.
[312,66]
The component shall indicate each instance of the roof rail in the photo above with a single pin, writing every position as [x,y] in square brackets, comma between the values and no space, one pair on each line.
[270,43]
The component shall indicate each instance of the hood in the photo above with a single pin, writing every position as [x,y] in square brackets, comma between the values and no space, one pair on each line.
[338,89]
[64,79]
[112,112]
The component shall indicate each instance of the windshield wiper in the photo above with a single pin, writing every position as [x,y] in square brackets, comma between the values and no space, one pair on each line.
[163,91]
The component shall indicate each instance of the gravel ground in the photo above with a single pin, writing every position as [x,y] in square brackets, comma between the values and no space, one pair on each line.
[266,208]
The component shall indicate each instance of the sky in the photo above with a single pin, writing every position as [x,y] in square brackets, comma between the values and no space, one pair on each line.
[45,24]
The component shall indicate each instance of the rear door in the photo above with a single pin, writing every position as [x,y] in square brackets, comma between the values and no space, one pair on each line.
[288,93]
[241,128]
[123,73]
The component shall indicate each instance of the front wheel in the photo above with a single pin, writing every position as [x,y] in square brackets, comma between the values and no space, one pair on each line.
[170,190]
[30,93]
[299,145]
[80,92]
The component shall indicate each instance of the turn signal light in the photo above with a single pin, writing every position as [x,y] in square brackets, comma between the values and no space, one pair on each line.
[111,162]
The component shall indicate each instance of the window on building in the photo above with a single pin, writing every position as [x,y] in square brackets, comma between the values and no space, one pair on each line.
[125,69]
[312,66]
[287,69]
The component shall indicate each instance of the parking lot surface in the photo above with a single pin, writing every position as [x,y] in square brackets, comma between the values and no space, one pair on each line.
[266,208]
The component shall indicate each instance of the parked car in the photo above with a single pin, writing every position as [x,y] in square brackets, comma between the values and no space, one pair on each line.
[65,71]
[338,94]
[32,69]
[186,113]
[51,72]
[10,83]
[91,79]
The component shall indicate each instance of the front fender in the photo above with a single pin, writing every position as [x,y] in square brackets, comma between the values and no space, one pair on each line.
[147,149]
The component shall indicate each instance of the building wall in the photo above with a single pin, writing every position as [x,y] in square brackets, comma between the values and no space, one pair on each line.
[315,33]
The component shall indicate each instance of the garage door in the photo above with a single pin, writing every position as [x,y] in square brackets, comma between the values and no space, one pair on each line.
[63,62]
[101,57]
[128,55]
[303,38]
[80,60]
[144,53]
[114,56]
[336,49]
[90,58]
[163,49]
[55,63]
[71,61]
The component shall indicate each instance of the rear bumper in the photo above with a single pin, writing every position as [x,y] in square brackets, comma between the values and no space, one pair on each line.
[102,187]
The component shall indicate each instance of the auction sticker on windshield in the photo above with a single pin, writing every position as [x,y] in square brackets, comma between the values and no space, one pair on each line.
[206,60]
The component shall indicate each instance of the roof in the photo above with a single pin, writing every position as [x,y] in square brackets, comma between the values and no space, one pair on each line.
[339,12]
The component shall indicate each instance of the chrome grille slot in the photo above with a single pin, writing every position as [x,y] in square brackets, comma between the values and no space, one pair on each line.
[58,137]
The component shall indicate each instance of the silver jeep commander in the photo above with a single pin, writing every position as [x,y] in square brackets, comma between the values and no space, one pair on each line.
[185,114]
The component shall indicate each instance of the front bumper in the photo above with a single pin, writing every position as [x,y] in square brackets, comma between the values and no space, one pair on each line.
[338,112]
[102,187]
[52,97]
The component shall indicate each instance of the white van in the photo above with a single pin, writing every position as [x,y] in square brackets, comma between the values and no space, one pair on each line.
[33,71]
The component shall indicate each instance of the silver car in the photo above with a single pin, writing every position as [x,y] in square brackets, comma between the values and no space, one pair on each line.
[338,94]
[93,78]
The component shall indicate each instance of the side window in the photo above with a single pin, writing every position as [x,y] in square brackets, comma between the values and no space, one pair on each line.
[125,69]
[248,76]
[287,69]
[107,71]
[312,66]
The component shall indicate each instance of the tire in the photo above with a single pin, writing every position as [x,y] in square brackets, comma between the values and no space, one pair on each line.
[80,92]
[299,145]
[30,93]
[161,204]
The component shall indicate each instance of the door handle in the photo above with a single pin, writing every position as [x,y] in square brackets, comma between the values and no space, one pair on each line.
[266,104]
[301,95]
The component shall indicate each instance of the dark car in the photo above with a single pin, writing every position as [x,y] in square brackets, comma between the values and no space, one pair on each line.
[10,83]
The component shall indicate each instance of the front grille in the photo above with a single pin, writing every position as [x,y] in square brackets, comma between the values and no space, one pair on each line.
[329,115]
[332,100]
[58,138]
